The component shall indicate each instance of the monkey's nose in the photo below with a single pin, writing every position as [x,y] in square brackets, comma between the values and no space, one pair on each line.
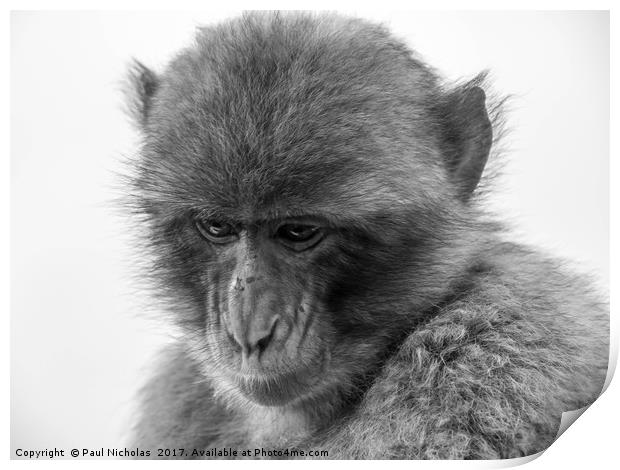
[256,340]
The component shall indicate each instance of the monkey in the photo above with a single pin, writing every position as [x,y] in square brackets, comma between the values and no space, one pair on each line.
[309,193]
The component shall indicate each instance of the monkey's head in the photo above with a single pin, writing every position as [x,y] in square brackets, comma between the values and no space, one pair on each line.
[301,181]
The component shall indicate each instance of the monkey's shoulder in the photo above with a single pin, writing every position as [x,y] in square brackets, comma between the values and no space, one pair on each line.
[491,372]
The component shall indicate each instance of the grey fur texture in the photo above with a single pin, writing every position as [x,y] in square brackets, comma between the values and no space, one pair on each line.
[446,341]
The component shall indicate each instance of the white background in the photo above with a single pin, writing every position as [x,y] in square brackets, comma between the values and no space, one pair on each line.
[79,341]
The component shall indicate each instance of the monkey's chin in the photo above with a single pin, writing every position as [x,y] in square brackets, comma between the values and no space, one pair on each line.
[277,390]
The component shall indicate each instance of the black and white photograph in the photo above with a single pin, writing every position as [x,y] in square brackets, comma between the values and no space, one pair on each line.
[327,234]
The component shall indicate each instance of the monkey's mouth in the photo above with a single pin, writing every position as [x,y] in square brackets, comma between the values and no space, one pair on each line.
[280,389]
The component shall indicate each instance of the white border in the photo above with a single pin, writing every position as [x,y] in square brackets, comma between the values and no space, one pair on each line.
[591,442]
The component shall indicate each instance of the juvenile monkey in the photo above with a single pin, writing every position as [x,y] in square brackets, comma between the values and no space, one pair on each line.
[308,190]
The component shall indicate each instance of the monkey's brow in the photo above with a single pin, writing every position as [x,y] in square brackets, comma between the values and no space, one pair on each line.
[265,217]
[328,214]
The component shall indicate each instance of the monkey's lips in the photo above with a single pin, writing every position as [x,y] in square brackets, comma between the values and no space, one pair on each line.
[277,389]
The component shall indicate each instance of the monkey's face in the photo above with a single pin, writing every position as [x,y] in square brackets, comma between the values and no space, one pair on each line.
[263,308]
[286,305]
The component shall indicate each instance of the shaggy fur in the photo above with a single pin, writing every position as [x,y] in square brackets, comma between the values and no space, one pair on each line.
[427,336]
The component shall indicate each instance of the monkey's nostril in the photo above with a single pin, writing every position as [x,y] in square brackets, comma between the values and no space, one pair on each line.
[256,341]
[262,343]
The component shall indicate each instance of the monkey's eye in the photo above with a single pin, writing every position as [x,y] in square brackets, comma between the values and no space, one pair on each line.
[216,231]
[299,237]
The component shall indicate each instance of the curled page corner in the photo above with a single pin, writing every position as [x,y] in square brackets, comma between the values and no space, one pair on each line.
[568,418]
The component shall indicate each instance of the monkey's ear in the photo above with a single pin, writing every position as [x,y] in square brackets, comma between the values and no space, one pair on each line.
[469,135]
[142,84]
